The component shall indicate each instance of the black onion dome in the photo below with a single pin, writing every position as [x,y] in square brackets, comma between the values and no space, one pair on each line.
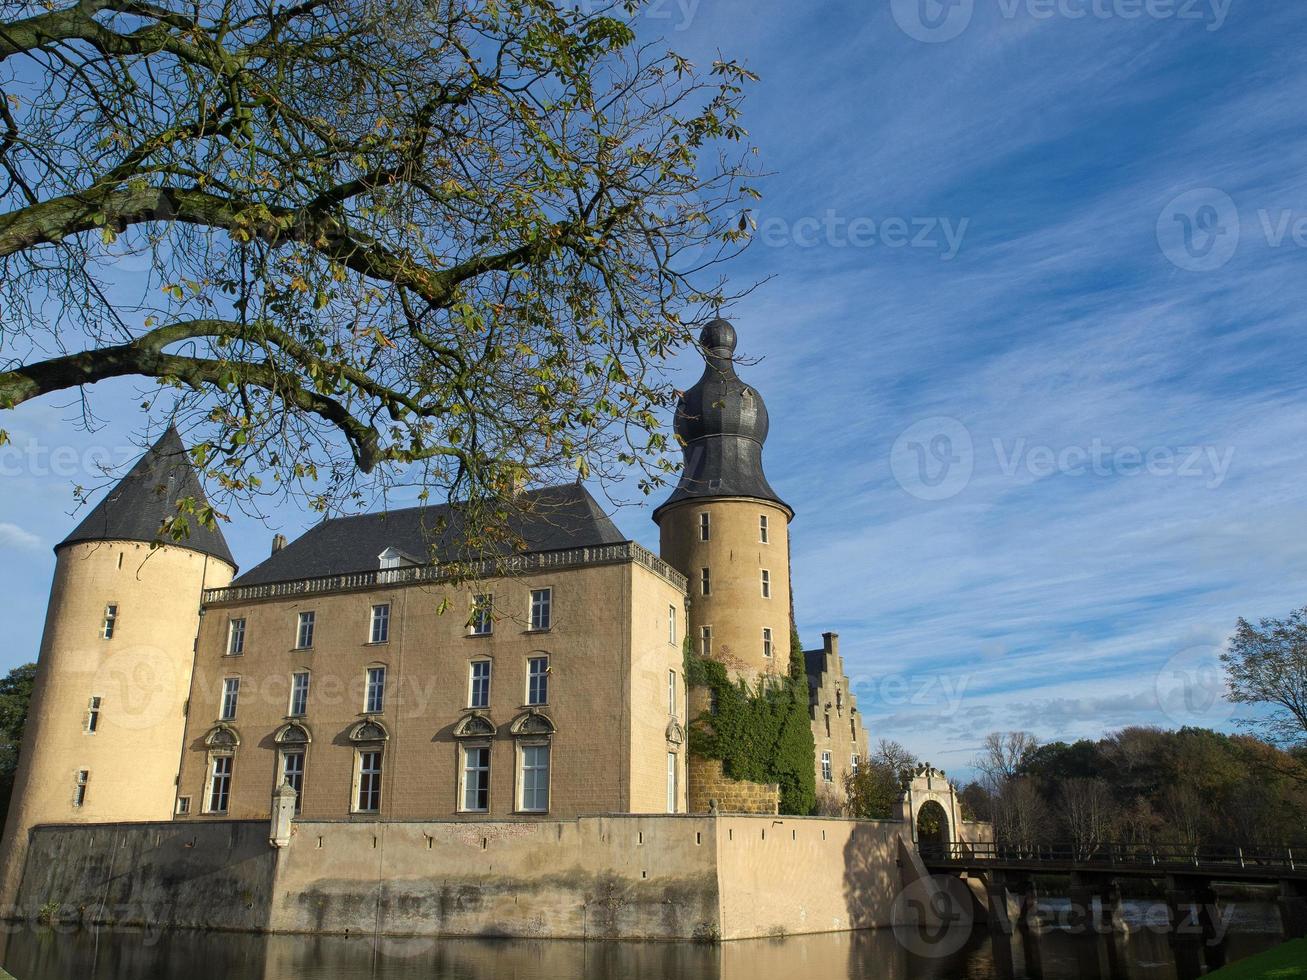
[722,423]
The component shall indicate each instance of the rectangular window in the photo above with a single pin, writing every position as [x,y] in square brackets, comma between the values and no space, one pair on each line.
[541,608]
[375,699]
[220,784]
[713,703]
[705,582]
[299,693]
[766,584]
[183,805]
[535,778]
[762,528]
[671,625]
[369,800]
[482,621]
[537,684]
[705,641]
[380,632]
[235,637]
[476,778]
[292,771]
[671,782]
[703,527]
[826,773]
[479,683]
[853,763]
[671,692]
[110,621]
[79,792]
[766,641]
[231,691]
[93,716]
[304,635]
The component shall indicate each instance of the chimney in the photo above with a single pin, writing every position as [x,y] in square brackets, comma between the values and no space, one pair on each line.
[278,542]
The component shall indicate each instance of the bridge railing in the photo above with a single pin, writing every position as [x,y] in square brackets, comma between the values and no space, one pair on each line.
[1111,854]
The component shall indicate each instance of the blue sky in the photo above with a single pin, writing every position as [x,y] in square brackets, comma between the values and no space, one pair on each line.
[1033,352]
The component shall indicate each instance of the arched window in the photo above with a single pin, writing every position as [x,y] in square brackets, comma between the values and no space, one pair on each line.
[369,739]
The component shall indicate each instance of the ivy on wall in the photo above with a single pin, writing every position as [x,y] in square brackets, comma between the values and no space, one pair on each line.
[761,734]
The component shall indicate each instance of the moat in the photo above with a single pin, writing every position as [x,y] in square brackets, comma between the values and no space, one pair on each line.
[1056,954]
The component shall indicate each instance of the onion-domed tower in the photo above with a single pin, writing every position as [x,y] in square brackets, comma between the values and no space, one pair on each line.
[724,527]
[104,730]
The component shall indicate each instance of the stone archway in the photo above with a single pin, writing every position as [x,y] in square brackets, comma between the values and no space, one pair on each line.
[933,831]
[928,789]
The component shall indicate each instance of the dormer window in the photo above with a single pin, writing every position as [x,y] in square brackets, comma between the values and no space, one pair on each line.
[393,558]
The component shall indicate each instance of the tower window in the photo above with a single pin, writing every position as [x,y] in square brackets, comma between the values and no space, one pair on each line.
[766,641]
[762,528]
[853,763]
[304,633]
[235,637]
[79,792]
[826,774]
[110,621]
[380,631]
[671,625]
[93,716]
[705,582]
[542,601]
[482,621]
[537,685]
[704,527]
[231,690]
[479,684]
[299,693]
[369,798]
[705,641]
[766,584]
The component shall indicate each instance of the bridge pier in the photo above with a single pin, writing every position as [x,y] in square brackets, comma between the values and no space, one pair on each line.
[1191,904]
[1293,908]
[1089,885]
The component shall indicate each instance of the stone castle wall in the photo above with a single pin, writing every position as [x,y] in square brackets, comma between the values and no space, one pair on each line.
[640,877]
[709,785]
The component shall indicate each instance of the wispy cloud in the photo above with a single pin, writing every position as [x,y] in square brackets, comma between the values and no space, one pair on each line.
[13,536]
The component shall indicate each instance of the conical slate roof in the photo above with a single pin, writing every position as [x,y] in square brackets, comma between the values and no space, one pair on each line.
[722,424]
[135,508]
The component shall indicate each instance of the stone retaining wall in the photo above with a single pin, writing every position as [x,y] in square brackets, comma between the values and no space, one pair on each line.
[709,784]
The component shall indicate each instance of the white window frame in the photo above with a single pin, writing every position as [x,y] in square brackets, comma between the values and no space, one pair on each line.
[465,769]
[764,532]
[231,696]
[110,623]
[227,763]
[766,583]
[374,689]
[705,581]
[361,773]
[236,636]
[79,787]
[306,624]
[284,770]
[482,622]
[671,693]
[542,609]
[523,803]
[767,642]
[673,783]
[379,623]
[299,694]
[472,680]
[537,681]
[827,774]
[671,625]
[93,708]
[183,806]
[854,763]
[705,641]
[705,526]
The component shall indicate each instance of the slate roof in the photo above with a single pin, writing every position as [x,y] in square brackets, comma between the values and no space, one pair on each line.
[547,519]
[722,423]
[136,507]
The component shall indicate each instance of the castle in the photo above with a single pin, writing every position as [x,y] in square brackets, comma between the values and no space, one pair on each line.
[350,666]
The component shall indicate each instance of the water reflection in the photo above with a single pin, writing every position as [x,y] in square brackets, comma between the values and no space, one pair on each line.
[1145,954]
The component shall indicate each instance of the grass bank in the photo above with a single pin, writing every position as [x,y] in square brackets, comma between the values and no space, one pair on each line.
[1288,961]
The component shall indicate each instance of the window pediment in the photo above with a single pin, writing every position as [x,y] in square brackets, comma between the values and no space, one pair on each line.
[474,725]
[675,733]
[369,731]
[292,733]
[532,723]
[222,738]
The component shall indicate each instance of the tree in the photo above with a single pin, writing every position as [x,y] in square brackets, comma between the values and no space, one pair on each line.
[1002,755]
[442,242]
[1266,664]
[875,790]
[15,698]
[1089,813]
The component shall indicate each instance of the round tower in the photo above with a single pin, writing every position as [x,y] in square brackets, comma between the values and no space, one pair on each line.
[104,730]
[724,527]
